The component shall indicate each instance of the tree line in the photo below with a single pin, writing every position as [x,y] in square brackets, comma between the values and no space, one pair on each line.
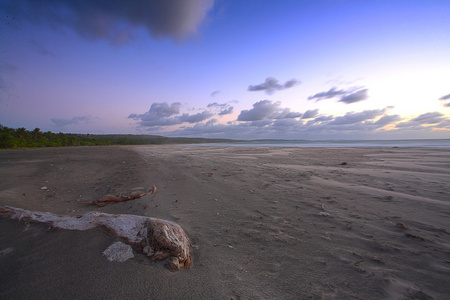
[11,138]
[22,138]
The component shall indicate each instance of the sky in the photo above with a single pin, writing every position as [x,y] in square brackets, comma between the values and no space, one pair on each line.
[250,69]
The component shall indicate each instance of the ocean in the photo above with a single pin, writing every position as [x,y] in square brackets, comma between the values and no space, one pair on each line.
[416,143]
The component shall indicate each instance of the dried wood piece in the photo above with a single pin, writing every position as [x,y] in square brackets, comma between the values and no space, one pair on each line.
[415,237]
[158,239]
[401,225]
[102,202]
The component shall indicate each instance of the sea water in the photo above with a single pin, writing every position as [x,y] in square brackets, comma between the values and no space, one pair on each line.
[415,143]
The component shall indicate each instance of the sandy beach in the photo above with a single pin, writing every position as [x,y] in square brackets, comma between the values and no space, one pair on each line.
[264,222]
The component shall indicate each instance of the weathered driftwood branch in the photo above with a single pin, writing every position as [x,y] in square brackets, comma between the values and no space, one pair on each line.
[158,239]
[102,202]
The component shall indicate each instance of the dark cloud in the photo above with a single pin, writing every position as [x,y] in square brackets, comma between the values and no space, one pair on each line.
[319,120]
[223,109]
[262,122]
[388,119]
[430,118]
[271,85]
[362,123]
[285,123]
[38,48]
[197,118]
[226,111]
[446,97]
[158,111]
[355,97]
[309,114]
[260,111]
[163,114]
[323,118]
[6,69]
[347,96]
[65,122]
[214,105]
[352,117]
[115,20]
[215,93]
[265,109]
[333,92]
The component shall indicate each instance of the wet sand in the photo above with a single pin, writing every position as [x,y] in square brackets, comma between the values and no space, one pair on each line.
[265,223]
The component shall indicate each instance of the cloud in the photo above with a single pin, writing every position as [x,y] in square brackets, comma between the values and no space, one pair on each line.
[349,125]
[260,123]
[347,96]
[199,117]
[324,118]
[65,122]
[115,20]
[268,119]
[215,93]
[226,111]
[38,48]
[430,118]
[446,97]
[309,114]
[271,85]
[388,119]
[355,97]
[352,117]
[285,123]
[223,109]
[320,119]
[333,92]
[265,109]
[6,69]
[163,114]
[158,111]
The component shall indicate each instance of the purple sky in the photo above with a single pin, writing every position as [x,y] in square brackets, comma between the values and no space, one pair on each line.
[229,69]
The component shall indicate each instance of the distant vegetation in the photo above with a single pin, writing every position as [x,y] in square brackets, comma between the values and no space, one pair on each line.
[22,138]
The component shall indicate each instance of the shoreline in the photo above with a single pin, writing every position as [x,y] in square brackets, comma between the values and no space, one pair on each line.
[264,222]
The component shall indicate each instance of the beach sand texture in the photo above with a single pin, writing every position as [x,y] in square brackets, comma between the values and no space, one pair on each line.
[264,222]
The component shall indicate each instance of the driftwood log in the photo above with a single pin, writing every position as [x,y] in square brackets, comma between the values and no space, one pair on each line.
[102,202]
[158,239]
